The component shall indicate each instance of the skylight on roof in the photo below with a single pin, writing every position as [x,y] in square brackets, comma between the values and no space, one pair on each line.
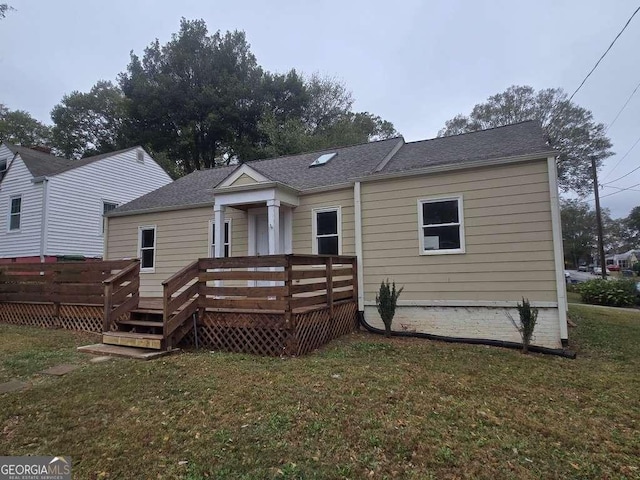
[322,159]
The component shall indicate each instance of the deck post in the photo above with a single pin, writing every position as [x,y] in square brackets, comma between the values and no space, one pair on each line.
[108,299]
[291,343]
[329,277]
[354,268]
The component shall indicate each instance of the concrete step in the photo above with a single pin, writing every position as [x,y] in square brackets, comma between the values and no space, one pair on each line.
[127,352]
[131,339]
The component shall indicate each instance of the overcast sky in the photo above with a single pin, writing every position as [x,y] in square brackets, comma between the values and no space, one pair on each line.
[414,63]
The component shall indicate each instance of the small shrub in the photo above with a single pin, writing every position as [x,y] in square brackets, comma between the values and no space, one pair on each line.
[528,318]
[386,301]
[573,287]
[613,293]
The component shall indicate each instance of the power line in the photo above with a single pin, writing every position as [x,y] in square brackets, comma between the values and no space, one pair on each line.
[623,107]
[621,190]
[604,54]
[616,165]
[631,188]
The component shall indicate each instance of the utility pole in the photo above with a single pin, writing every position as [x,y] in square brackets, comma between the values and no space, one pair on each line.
[603,263]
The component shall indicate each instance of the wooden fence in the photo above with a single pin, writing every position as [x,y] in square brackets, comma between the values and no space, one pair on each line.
[63,294]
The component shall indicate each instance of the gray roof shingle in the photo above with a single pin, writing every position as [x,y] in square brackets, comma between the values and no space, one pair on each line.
[355,161]
[42,164]
[193,189]
[352,161]
[509,141]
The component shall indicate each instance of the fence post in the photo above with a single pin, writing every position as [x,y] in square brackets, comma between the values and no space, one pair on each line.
[329,277]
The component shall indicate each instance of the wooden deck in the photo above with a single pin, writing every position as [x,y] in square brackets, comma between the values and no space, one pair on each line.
[269,305]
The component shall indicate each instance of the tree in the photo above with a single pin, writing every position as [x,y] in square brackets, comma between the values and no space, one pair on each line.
[633,225]
[20,127]
[578,231]
[324,119]
[569,128]
[89,123]
[197,98]
[4,8]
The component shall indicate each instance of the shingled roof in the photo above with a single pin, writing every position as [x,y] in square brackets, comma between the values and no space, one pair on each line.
[525,138]
[42,164]
[191,190]
[356,161]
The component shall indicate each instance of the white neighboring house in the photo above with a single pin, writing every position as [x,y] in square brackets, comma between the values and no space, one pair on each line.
[51,206]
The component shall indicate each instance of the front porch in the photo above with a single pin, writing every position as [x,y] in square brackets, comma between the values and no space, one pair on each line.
[269,305]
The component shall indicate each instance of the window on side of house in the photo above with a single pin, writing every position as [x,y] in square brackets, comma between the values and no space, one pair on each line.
[147,242]
[441,225]
[227,238]
[326,231]
[106,208]
[15,213]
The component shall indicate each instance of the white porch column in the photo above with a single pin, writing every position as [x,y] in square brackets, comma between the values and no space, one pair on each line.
[218,237]
[273,210]
[288,229]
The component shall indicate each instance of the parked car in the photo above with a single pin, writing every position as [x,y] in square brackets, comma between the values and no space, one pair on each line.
[613,268]
[567,276]
[627,273]
[598,271]
[583,268]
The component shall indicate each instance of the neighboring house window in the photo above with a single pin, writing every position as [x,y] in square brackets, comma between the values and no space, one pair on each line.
[147,242]
[441,225]
[15,213]
[227,238]
[140,156]
[106,208]
[326,231]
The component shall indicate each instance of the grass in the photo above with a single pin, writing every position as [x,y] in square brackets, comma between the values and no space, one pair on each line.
[26,351]
[364,407]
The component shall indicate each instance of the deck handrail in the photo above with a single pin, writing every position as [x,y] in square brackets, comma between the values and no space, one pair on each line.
[177,310]
[121,293]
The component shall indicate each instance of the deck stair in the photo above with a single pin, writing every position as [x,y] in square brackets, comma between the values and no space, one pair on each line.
[142,329]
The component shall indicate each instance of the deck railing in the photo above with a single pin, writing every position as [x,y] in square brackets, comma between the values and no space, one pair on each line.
[283,284]
[180,300]
[121,293]
[61,282]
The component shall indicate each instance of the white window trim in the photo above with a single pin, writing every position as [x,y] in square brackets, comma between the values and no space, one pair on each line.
[212,254]
[450,251]
[11,199]
[155,247]
[102,217]
[314,227]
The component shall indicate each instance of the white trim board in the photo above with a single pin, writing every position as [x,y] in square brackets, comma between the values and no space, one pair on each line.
[243,169]
[465,303]
[556,226]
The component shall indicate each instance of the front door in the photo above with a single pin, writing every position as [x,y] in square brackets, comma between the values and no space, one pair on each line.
[262,234]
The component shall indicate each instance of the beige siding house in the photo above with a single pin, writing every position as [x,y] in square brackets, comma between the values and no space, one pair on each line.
[468,224]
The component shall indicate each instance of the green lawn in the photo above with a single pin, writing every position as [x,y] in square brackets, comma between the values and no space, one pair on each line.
[364,407]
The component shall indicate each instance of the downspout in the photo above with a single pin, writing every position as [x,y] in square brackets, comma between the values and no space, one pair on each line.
[357,204]
[43,226]
[556,227]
